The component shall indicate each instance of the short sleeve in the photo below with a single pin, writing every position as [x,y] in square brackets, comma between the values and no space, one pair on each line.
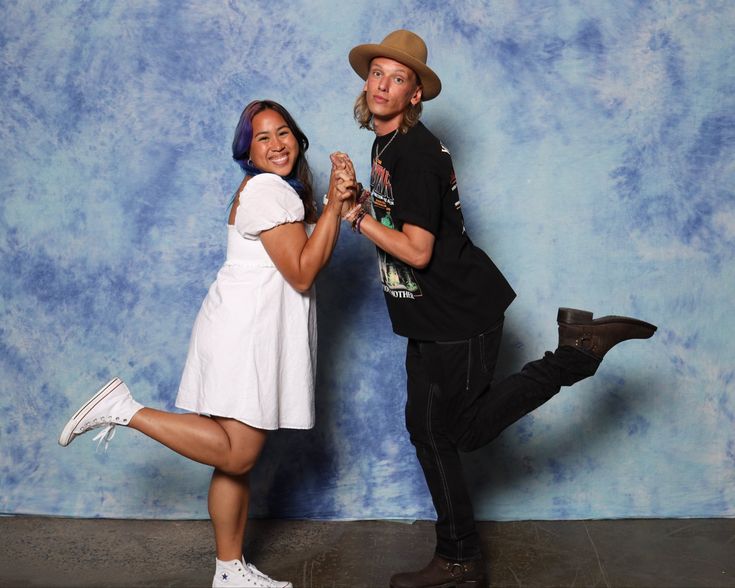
[267,201]
[420,202]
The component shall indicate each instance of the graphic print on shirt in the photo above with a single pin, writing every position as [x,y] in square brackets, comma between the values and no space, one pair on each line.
[453,187]
[397,278]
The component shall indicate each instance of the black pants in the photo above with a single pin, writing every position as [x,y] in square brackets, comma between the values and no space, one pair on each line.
[453,405]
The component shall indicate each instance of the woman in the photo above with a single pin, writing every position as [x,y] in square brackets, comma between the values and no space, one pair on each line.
[251,359]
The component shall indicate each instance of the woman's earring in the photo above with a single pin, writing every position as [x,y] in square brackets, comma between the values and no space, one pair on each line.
[250,163]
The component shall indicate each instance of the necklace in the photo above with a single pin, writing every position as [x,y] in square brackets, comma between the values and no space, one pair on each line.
[376,159]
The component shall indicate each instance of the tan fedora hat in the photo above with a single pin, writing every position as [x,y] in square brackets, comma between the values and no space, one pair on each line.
[405,47]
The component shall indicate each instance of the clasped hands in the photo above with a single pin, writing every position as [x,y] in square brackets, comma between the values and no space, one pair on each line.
[343,186]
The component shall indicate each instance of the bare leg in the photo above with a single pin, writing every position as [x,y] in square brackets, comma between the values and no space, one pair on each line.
[226,444]
[229,495]
[229,445]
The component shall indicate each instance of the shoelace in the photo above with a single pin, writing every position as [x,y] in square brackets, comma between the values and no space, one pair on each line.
[105,435]
[261,575]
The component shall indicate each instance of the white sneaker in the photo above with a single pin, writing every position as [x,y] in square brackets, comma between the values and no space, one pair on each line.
[239,574]
[111,405]
[267,580]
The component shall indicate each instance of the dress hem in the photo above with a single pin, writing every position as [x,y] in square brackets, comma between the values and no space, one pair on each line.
[249,423]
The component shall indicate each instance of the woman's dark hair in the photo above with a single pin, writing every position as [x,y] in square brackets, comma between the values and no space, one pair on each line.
[300,177]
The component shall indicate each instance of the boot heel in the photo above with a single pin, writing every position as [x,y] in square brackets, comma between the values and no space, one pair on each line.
[572,315]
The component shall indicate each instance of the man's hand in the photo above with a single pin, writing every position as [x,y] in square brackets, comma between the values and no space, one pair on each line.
[342,184]
[346,183]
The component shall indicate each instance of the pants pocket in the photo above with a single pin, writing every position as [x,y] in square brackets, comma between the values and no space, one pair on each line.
[489,347]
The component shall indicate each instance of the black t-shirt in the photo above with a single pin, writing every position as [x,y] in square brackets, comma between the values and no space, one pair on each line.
[461,292]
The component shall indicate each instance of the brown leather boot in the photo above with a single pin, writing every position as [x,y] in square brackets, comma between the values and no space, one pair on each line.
[596,337]
[443,573]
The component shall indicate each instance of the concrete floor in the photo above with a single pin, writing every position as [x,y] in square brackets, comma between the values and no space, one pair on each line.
[37,551]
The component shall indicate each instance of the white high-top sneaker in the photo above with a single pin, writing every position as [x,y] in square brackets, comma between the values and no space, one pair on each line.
[267,580]
[112,405]
[238,574]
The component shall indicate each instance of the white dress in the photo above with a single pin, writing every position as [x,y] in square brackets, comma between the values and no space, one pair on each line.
[252,354]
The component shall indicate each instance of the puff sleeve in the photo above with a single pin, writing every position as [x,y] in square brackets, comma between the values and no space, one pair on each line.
[266,201]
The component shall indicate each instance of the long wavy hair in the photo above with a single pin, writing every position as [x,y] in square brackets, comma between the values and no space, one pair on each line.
[364,117]
[300,177]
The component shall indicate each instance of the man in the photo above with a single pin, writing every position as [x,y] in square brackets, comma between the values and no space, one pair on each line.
[448,298]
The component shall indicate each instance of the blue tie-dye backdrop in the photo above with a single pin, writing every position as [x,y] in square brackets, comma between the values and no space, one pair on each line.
[595,147]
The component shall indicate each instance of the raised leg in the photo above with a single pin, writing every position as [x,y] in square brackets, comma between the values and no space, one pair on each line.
[226,444]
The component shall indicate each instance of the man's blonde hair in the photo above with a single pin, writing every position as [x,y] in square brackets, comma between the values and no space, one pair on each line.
[364,117]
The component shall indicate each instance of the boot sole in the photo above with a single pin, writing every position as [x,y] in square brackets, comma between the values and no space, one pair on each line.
[67,435]
[573,316]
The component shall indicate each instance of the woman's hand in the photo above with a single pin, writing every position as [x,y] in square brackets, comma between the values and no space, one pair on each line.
[343,185]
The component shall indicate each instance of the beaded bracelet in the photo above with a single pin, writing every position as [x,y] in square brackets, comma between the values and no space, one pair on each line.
[358,223]
[358,219]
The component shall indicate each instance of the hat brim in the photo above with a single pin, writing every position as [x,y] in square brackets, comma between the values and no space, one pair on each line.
[361,56]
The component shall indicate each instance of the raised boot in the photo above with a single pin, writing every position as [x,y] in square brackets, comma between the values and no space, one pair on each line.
[596,337]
